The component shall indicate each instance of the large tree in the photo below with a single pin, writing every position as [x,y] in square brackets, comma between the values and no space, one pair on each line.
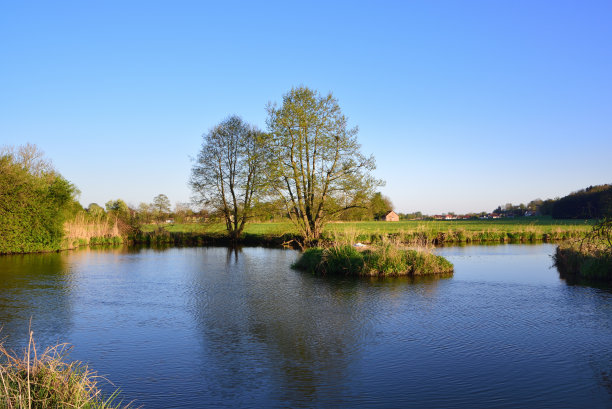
[227,176]
[380,205]
[161,203]
[315,164]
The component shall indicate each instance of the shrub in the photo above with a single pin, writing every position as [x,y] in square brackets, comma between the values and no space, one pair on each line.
[34,202]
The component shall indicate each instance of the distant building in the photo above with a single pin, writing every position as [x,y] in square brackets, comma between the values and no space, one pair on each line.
[391,217]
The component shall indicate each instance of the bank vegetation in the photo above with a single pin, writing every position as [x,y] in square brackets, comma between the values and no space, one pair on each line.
[46,380]
[589,259]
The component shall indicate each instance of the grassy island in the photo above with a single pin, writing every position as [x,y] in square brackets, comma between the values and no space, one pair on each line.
[384,260]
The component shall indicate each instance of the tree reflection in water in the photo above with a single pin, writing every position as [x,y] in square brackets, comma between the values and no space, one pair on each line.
[264,323]
[35,287]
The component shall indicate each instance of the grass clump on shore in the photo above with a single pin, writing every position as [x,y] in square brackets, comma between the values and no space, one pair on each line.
[576,265]
[384,260]
[47,381]
[589,259]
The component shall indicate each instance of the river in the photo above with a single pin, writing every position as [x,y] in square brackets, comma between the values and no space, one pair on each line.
[214,327]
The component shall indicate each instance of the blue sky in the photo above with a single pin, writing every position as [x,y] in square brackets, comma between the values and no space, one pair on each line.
[465,105]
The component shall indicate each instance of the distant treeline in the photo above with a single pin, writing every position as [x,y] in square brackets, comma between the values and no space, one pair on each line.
[594,202]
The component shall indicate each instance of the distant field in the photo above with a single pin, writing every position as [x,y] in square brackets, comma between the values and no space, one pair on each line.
[521,229]
[544,224]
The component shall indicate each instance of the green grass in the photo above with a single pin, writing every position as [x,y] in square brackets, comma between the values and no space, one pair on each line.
[456,231]
[385,260]
[219,228]
[47,381]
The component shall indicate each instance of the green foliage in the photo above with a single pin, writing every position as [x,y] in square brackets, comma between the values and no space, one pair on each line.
[309,260]
[126,218]
[118,206]
[315,165]
[380,205]
[34,202]
[105,241]
[161,206]
[95,210]
[345,260]
[384,260]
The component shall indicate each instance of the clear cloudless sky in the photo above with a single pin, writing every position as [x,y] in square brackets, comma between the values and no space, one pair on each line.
[466,105]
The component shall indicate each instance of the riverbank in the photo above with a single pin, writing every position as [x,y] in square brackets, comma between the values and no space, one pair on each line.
[279,234]
[520,230]
[589,259]
[579,264]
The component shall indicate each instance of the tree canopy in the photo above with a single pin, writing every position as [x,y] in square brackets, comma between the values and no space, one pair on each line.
[227,176]
[315,164]
[161,204]
[594,202]
[35,201]
[380,205]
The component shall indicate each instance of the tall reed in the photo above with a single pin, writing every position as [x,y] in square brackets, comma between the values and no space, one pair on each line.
[47,381]
[86,229]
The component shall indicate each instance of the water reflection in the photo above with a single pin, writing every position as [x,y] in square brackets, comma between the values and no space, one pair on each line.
[36,287]
[268,325]
[232,254]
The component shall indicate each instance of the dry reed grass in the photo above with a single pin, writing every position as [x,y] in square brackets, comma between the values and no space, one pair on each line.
[85,228]
[46,381]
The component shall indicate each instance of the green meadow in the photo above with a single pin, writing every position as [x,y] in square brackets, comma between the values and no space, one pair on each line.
[410,231]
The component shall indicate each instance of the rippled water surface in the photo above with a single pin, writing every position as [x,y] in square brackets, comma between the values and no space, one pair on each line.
[198,327]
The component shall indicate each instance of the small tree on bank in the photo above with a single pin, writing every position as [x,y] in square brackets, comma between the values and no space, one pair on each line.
[161,205]
[120,213]
[315,165]
[227,175]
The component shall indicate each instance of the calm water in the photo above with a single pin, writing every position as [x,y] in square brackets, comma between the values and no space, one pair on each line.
[208,327]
